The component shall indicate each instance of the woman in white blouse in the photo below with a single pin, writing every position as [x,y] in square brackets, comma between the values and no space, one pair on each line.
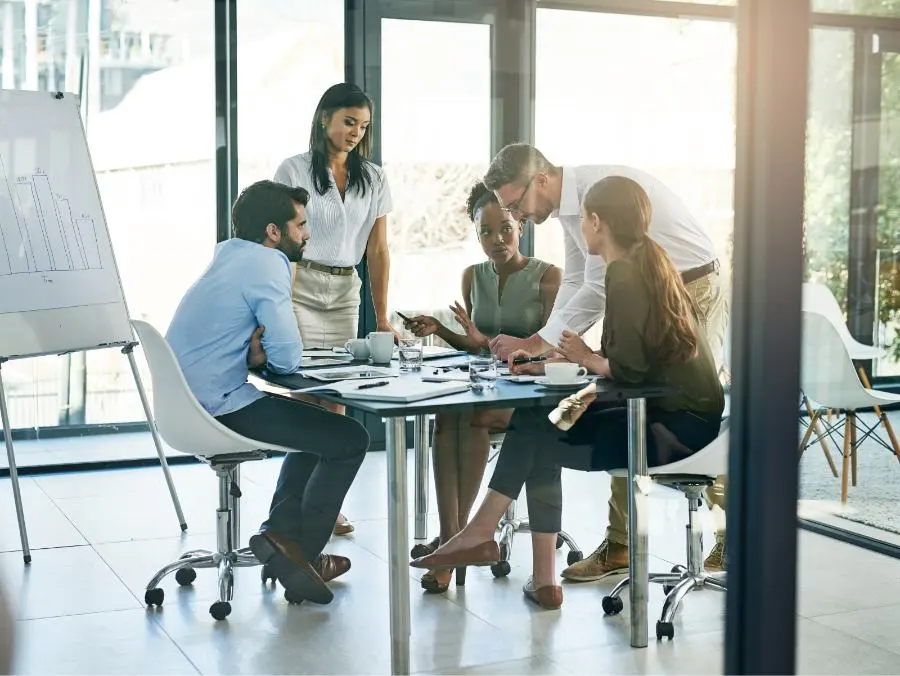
[347,214]
[347,218]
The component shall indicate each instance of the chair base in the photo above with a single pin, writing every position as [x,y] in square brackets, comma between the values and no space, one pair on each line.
[682,579]
[510,525]
[226,557]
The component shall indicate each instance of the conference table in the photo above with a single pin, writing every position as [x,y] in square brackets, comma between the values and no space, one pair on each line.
[506,394]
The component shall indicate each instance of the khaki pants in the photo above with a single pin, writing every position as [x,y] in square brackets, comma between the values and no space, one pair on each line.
[711,297]
[326,307]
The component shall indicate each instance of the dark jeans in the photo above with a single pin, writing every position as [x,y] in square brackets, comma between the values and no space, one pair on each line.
[534,452]
[312,483]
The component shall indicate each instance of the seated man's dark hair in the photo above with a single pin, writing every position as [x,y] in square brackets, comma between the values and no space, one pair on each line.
[262,203]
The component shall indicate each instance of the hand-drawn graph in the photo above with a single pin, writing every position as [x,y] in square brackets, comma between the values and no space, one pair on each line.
[39,231]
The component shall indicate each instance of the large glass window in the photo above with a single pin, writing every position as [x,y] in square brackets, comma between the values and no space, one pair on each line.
[436,144]
[289,53]
[649,92]
[144,72]
[151,129]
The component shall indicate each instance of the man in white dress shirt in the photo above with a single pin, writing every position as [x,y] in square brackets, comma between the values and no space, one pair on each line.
[531,188]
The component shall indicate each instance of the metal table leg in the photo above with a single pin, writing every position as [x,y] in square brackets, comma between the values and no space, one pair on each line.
[421,495]
[398,543]
[638,564]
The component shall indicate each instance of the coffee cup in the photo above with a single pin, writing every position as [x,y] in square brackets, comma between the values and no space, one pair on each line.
[563,373]
[381,346]
[358,348]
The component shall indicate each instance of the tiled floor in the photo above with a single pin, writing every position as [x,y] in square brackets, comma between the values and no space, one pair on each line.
[97,537]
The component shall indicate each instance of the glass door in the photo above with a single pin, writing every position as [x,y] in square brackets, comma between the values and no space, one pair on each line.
[876,173]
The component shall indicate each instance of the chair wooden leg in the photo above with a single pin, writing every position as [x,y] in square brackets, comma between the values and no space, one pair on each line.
[882,416]
[809,430]
[814,425]
[845,463]
[851,420]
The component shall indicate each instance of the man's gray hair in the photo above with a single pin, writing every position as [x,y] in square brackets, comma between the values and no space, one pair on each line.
[515,162]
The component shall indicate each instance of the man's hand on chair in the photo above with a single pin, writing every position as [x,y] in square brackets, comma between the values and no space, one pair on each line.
[256,355]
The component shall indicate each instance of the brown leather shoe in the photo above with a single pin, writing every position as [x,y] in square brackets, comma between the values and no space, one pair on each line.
[330,566]
[342,526]
[483,554]
[549,597]
[290,566]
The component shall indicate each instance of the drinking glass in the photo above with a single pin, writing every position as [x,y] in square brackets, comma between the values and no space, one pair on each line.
[483,372]
[410,354]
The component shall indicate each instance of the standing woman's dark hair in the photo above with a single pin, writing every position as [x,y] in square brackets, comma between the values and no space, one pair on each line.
[359,175]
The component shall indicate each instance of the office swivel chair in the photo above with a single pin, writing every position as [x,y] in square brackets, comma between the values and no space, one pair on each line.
[692,476]
[187,427]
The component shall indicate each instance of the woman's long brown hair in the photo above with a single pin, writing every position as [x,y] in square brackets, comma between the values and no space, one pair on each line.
[624,206]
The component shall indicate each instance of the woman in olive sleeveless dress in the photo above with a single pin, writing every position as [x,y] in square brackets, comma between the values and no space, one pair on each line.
[511,294]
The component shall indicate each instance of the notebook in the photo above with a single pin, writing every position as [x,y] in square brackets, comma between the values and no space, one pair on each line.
[396,390]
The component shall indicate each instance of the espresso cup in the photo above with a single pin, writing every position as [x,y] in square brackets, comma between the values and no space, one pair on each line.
[358,348]
[562,373]
[381,346]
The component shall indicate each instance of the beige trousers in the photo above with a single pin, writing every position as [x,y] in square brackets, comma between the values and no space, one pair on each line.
[712,300]
[326,307]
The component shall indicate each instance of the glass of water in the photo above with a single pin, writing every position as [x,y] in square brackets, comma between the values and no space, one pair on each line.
[410,354]
[483,372]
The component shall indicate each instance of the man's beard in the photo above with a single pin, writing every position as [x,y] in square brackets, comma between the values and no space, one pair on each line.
[293,251]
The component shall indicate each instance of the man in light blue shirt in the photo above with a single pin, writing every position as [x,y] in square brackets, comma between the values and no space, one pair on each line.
[238,316]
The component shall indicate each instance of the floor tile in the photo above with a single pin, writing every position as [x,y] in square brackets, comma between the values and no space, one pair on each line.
[875,626]
[120,642]
[823,650]
[45,524]
[67,581]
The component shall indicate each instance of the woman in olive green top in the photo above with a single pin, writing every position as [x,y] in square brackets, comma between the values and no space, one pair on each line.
[649,335]
[508,293]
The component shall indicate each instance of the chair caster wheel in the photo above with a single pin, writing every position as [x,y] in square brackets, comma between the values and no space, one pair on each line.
[292,598]
[574,557]
[184,576]
[501,569]
[664,630]
[265,575]
[220,610]
[154,597]
[612,605]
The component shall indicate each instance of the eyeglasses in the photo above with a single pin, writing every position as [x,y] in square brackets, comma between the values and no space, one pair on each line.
[517,204]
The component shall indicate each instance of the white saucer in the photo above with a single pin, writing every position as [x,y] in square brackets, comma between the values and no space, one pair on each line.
[545,382]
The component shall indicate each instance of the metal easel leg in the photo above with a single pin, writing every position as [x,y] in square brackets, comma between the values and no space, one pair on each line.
[13,471]
[128,351]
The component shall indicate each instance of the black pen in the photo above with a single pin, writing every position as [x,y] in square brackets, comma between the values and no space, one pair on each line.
[403,317]
[378,384]
[528,360]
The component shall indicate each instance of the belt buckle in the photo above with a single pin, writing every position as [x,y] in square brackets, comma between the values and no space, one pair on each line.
[335,270]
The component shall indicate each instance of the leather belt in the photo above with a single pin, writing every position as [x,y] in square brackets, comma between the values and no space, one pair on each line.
[694,274]
[327,269]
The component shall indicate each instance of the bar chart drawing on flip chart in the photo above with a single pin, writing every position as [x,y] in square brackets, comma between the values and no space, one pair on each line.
[41,233]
